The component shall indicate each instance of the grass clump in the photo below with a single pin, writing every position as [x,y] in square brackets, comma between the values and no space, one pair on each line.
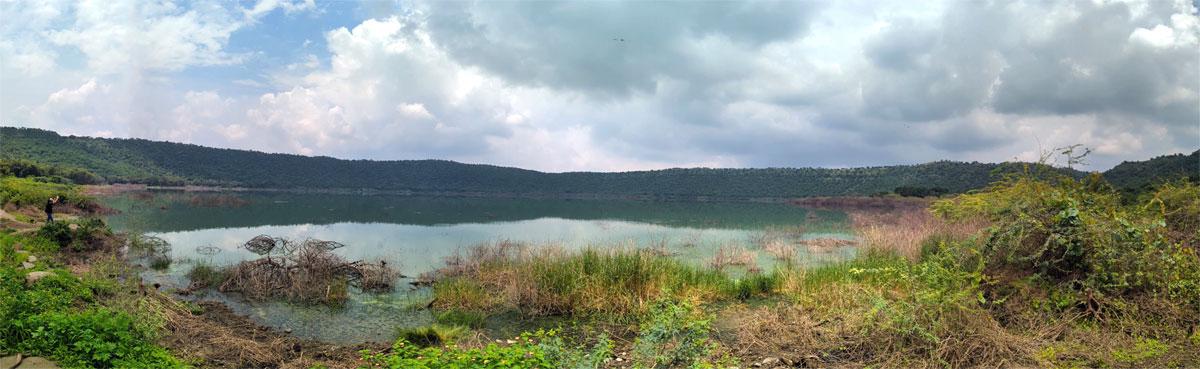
[203,275]
[432,335]
[609,283]
[465,318]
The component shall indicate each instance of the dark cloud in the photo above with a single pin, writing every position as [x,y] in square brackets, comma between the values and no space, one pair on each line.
[608,48]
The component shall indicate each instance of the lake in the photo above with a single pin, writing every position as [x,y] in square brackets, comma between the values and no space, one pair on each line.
[418,233]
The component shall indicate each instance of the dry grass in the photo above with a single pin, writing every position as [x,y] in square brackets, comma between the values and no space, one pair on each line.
[780,250]
[903,232]
[827,244]
[842,325]
[214,337]
[730,255]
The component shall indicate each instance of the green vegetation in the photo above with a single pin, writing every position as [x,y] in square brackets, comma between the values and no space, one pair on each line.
[1136,177]
[617,284]
[52,173]
[1036,269]
[89,320]
[1116,282]
[142,161]
[32,192]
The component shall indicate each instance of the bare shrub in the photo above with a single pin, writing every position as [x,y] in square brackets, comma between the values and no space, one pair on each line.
[728,255]
[780,250]
[306,271]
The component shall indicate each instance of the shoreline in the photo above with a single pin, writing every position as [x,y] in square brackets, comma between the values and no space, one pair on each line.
[822,202]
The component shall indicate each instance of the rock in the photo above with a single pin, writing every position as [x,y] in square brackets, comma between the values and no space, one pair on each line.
[770,361]
[8,362]
[26,265]
[33,277]
[36,363]
[73,227]
[31,258]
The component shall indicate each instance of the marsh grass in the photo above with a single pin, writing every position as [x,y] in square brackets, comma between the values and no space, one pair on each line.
[904,231]
[204,275]
[613,283]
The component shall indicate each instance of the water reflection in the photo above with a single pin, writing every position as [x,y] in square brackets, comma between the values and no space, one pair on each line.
[417,233]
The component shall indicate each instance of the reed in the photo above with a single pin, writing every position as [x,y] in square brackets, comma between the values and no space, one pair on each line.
[615,283]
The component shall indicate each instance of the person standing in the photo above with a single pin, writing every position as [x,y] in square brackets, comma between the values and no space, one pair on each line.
[50,208]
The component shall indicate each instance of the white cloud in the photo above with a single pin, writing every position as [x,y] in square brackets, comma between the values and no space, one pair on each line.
[615,86]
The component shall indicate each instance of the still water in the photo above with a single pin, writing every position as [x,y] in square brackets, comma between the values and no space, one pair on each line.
[417,233]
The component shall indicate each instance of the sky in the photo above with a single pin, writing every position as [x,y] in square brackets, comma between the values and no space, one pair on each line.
[615,86]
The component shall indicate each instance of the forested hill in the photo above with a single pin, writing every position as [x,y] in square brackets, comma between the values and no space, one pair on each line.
[165,163]
[1136,176]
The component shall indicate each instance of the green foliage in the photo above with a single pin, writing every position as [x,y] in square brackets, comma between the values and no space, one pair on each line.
[1138,177]
[753,285]
[405,355]
[80,235]
[1079,235]
[1143,349]
[674,334]
[50,173]
[541,349]
[60,316]
[915,191]
[31,192]
[142,161]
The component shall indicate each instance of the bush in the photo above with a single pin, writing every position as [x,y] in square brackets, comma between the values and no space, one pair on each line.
[1078,235]
[88,233]
[674,334]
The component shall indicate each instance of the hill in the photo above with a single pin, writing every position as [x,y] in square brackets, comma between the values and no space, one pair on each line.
[166,163]
[1138,176]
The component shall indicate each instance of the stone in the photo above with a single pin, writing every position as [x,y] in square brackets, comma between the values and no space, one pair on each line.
[36,363]
[770,361]
[73,227]
[9,362]
[31,258]
[33,277]
[26,265]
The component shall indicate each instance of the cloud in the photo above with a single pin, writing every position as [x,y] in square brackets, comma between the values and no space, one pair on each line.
[566,86]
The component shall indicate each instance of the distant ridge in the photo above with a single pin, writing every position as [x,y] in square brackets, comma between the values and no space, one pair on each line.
[165,163]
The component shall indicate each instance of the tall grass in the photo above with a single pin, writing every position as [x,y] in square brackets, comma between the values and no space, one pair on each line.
[614,283]
[903,231]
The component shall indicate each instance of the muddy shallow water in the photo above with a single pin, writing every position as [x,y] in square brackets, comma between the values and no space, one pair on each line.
[417,233]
